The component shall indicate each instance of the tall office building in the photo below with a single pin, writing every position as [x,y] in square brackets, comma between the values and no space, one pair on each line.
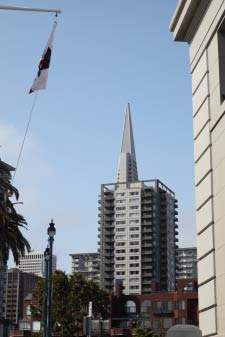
[18,286]
[201,23]
[186,262]
[137,227]
[34,263]
[88,265]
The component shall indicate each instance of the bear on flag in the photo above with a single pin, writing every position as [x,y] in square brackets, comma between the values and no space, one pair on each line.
[41,78]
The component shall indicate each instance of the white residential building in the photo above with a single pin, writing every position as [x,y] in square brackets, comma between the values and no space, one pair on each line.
[34,263]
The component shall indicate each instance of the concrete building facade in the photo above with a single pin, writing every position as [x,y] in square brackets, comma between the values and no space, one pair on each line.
[138,227]
[34,263]
[186,263]
[88,265]
[201,23]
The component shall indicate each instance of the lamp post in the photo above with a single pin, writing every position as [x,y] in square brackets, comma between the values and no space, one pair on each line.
[51,233]
[46,256]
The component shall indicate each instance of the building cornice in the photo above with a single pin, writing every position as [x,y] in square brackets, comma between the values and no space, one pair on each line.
[187,18]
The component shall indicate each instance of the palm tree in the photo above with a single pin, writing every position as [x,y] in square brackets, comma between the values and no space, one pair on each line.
[11,238]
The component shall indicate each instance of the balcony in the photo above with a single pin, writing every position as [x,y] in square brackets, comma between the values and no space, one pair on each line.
[147,215]
[109,254]
[146,259]
[108,197]
[146,245]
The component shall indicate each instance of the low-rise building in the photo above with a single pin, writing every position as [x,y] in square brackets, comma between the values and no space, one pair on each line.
[157,311]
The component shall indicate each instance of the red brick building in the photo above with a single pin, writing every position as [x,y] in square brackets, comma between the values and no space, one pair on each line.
[157,311]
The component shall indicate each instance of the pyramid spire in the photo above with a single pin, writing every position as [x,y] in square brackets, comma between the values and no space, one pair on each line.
[127,171]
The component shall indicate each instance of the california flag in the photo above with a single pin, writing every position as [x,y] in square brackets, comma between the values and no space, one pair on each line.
[40,81]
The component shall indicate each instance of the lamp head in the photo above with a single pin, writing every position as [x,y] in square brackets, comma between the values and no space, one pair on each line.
[51,229]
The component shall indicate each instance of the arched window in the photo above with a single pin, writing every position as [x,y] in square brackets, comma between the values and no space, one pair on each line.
[130,306]
[145,306]
[28,311]
[188,287]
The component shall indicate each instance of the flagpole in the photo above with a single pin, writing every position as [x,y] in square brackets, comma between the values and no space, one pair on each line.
[27,9]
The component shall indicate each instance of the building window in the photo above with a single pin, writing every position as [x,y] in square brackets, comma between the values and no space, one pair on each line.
[134,257]
[157,323]
[145,306]
[146,324]
[121,208]
[122,229]
[120,273]
[134,279]
[134,193]
[121,237]
[122,222]
[157,307]
[121,201]
[167,323]
[134,272]
[120,243]
[134,200]
[120,258]
[180,305]
[121,251]
[121,265]
[133,287]
[134,236]
[134,207]
[134,265]
[168,307]
[134,250]
[221,54]
[121,215]
[134,221]
[121,194]
[130,307]
[134,229]
[28,310]
[180,320]
[134,243]
[134,215]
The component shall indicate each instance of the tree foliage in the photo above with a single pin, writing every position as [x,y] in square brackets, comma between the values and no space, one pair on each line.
[71,295]
[11,223]
[141,332]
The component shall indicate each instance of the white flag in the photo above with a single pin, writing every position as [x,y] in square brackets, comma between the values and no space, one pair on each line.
[40,81]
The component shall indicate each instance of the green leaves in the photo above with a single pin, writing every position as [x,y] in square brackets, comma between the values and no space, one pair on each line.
[71,295]
[11,222]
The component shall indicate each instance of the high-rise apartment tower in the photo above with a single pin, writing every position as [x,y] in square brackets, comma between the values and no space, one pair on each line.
[88,265]
[137,227]
[186,262]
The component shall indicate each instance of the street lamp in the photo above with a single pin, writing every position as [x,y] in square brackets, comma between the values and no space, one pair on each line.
[51,233]
[46,256]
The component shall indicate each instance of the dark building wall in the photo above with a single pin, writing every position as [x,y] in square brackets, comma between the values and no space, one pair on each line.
[18,285]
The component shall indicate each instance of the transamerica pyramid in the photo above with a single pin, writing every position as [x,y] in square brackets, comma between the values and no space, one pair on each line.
[127,170]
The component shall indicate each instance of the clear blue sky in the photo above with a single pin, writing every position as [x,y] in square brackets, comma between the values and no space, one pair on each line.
[105,54]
